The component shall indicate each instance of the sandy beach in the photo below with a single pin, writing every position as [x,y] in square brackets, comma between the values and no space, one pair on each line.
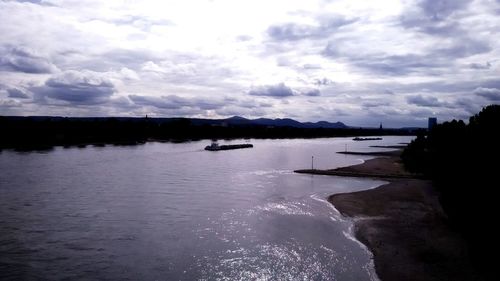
[403,225]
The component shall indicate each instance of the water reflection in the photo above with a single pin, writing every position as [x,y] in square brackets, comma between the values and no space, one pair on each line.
[175,211]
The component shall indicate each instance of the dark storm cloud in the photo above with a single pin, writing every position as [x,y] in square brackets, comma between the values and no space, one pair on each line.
[176,102]
[22,59]
[492,94]
[17,94]
[293,31]
[278,91]
[75,87]
[424,101]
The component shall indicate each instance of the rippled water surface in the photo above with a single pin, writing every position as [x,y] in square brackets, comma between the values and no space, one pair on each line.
[164,211]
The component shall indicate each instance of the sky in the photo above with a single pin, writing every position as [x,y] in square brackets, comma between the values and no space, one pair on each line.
[395,62]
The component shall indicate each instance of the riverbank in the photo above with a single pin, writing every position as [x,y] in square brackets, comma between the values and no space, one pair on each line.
[402,223]
[383,168]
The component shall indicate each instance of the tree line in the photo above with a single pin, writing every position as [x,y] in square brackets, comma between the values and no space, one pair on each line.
[462,161]
[44,132]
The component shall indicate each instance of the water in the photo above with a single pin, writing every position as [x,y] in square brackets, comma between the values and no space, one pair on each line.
[164,211]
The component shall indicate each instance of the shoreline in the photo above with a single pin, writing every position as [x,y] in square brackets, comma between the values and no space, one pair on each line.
[402,223]
[383,166]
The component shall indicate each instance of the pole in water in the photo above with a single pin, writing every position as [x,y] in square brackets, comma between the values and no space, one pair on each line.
[312,162]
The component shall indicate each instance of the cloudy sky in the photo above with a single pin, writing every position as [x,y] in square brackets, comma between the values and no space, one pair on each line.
[360,62]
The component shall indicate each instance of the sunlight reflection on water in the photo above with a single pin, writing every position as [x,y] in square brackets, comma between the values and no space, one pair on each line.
[173,211]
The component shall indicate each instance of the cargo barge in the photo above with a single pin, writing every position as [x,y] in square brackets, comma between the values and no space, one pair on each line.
[365,139]
[216,147]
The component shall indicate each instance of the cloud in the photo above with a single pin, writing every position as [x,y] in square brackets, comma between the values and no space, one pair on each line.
[469,105]
[311,92]
[130,58]
[278,91]
[441,9]
[293,31]
[38,2]
[9,103]
[492,94]
[465,47]
[244,38]
[425,101]
[17,94]
[23,59]
[433,17]
[168,102]
[426,62]
[323,82]
[398,64]
[375,103]
[141,22]
[311,66]
[176,102]
[151,56]
[487,65]
[76,87]
[282,91]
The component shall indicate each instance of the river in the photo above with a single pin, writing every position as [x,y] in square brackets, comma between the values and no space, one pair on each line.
[165,211]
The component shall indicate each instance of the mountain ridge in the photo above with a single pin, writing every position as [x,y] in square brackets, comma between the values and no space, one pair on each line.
[284,122]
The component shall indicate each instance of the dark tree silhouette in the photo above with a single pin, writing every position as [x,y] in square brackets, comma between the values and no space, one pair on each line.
[43,132]
[462,161]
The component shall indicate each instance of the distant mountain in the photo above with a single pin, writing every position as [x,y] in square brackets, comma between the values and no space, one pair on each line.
[325,124]
[285,122]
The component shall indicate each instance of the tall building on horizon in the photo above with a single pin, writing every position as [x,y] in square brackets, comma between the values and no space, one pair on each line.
[432,123]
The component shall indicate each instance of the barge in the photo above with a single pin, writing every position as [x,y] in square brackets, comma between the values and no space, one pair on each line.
[216,147]
[365,139]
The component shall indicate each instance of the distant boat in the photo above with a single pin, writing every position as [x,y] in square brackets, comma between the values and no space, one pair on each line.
[365,139]
[216,147]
